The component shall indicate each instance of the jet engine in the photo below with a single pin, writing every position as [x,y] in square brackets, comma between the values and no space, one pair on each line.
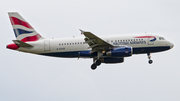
[111,60]
[124,51]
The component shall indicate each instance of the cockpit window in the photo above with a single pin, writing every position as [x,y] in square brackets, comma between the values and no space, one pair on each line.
[161,38]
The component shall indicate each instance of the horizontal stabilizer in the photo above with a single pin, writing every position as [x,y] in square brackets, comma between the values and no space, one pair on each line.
[21,44]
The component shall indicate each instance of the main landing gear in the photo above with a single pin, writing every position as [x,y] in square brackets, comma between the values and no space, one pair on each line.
[95,64]
[149,57]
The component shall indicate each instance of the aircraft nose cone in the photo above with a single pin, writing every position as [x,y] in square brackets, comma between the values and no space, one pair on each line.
[171,45]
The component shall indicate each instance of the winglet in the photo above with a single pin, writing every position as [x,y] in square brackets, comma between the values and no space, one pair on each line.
[82,32]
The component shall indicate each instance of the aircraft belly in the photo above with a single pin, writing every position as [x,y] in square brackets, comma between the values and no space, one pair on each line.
[140,50]
[71,54]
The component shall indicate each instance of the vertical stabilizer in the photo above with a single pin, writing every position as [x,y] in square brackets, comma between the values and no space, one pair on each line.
[22,29]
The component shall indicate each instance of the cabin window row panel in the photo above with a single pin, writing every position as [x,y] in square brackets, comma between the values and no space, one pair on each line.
[72,43]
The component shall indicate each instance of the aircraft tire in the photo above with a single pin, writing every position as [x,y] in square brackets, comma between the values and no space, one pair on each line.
[150,61]
[98,62]
[93,66]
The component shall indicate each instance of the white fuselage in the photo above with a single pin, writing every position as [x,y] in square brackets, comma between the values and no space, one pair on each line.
[139,45]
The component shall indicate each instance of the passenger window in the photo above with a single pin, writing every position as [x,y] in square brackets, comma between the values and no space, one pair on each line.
[67,44]
[64,43]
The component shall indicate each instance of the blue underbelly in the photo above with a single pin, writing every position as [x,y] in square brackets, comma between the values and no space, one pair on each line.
[141,50]
[86,54]
[72,54]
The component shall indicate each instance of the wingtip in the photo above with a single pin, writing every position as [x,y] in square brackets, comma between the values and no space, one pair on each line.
[81,31]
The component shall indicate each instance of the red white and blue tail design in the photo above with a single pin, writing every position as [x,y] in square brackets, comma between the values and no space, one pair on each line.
[22,29]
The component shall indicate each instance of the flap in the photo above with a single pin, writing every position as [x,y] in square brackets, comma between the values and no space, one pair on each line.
[96,43]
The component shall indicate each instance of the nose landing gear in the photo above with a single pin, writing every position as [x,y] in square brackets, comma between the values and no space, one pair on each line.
[149,57]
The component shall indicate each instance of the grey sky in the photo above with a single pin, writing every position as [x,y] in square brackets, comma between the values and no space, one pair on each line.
[29,77]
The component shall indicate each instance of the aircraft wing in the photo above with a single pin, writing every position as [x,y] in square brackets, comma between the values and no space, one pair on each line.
[96,43]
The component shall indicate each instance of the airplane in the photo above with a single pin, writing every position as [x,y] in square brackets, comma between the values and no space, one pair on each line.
[106,49]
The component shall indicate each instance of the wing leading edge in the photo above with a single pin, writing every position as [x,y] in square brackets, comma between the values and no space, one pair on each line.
[97,44]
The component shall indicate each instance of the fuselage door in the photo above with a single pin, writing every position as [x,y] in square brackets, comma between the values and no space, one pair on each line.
[46,45]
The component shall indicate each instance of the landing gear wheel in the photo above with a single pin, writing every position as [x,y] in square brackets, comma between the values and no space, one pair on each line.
[98,62]
[93,66]
[150,61]
[149,57]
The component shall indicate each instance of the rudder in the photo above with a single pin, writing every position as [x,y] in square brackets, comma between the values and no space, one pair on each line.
[22,29]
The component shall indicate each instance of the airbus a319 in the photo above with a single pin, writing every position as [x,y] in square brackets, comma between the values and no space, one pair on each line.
[105,49]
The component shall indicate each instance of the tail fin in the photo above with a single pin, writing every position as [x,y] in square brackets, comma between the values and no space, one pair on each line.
[22,29]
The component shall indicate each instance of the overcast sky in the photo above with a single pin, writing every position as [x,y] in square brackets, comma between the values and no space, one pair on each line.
[29,77]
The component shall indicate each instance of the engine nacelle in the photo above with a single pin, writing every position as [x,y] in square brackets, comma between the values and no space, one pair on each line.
[112,60]
[120,52]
